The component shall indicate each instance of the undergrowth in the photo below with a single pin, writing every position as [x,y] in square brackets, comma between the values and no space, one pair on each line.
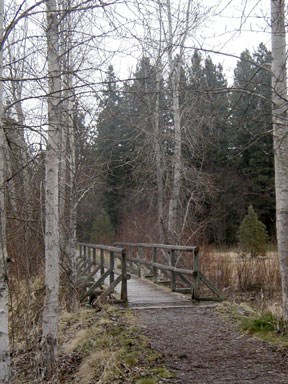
[109,349]
[268,325]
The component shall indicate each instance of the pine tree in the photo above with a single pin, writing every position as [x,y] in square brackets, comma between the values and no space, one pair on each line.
[113,147]
[251,144]
[253,234]
[205,145]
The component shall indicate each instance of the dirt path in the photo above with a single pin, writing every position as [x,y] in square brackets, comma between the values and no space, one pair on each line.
[201,348]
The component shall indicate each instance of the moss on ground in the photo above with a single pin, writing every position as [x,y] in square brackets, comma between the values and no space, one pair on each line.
[266,325]
[110,349]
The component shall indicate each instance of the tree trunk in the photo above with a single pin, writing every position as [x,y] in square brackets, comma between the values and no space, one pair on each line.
[70,246]
[4,336]
[177,158]
[280,137]
[52,241]
[175,69]
[158,157]
[68,241]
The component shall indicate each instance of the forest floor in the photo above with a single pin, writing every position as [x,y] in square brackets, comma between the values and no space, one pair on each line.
[178,345]
[199,346]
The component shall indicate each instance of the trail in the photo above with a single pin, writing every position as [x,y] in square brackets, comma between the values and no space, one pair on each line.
[201,348]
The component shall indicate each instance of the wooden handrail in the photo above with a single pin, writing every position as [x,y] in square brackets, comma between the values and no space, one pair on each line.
[171,270]
[162,246]
[113,252]
[164,267]
[108,248]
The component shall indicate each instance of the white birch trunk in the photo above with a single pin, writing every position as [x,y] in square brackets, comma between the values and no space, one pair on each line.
[70,249]
[280,136]
[175,69]
[52,241]
[176,181]
[4,335]
[158,158]
[69,162]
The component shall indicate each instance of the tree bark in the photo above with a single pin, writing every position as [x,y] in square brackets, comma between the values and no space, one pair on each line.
[158,158]
[4,335]
[175,69]
[52,242]
[280,139]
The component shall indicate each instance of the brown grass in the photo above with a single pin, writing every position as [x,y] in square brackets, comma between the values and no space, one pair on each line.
[244,278]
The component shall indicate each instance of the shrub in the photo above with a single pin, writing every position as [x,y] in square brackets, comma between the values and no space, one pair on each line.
[253,234]
[102,230]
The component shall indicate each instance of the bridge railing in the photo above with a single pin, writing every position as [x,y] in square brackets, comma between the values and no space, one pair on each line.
[173,262]
[168,262]
[97,263]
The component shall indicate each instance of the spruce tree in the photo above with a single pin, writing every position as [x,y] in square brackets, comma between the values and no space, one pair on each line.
[253,234]
[251,144]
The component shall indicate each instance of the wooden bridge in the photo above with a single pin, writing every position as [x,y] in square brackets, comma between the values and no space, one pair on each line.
[143,274]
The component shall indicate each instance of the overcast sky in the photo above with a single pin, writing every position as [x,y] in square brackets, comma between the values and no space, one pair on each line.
[231,27]
[237,25]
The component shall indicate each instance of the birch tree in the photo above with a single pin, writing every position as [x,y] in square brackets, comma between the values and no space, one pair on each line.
[280,139]
[49,342]
[175,42]
[4,336]
[68,205]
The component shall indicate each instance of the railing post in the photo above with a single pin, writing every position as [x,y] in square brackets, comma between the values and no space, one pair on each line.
[154,269]
[102,262]
[173,274]
[85,257]
[140,254]
[129,256]
[124,294]
[94,256]
[112,262]
[89,258]
[196,276]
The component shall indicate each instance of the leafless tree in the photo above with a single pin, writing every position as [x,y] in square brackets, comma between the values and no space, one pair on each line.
[4,336]
[279,115]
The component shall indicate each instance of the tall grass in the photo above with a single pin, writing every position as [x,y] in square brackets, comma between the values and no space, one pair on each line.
[257,278]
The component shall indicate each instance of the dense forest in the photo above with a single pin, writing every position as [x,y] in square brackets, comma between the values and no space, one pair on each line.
[118,123]
[226,153]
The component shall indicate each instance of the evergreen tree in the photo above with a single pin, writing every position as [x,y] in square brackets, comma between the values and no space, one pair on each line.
[205,147]
[251,148]
[102,230]
[114,148]
[252,234]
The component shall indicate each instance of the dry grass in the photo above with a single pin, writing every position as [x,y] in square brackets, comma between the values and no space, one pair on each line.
[242,278]
[110,346]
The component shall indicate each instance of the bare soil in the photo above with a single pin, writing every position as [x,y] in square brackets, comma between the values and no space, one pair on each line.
[200,347]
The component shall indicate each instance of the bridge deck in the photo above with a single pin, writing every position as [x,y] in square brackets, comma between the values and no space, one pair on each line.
[144,293]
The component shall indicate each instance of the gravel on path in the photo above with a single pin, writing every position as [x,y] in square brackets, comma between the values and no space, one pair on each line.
[201,348]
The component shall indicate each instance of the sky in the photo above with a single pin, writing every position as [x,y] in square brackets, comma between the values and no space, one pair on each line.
[237,25]
[231,27]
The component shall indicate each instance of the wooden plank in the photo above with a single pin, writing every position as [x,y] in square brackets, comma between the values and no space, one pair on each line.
[162,266]
[173,273]
[88,266]
[185,280]
[162,246]
[110,289]
[183,290]
[97,283]
[211,286]
[124,291]
[108,248]
[145,292]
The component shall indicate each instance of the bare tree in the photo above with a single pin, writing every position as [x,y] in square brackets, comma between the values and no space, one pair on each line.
[52,240]
[280,136]
[4,336]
